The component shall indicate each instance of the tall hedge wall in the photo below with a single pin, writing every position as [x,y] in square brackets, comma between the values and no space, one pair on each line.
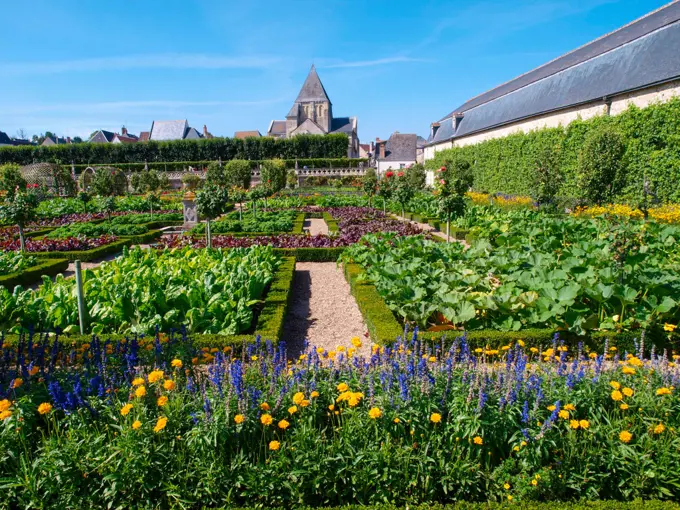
[652,139]
[301,146]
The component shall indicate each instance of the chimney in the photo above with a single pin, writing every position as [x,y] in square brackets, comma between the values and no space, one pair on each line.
[68,139]
[205,130]
[123,131]
[372,147]
[382,149]
[458,117]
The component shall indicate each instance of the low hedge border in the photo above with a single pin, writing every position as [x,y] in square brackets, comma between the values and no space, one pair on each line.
[39,233]
[86,255]
[517,505]
[331,222]
[269,322]
[145,238]
[456,233]
[311,254]
[35,273]
[384,327]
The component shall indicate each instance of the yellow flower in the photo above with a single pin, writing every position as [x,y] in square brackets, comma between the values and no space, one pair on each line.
[592,355]
[628,370]
[274,445]
[669,327]
[125,410]
[374,413]
[304,403]
[330,407]
[298,397]
[162,400]
[659,428]
[436,418]
[521,343]
[5,414]
[34,370]
[478,440]
[515,448]
[615,385]
[17,382]
[44,408]
[266,419]
[253,358]
[432,359]
[283,424]
[506,486]
[551,408]
[140,392]
[663,391]
[292,409]
[570,407]
[623,407]
[509,497]
[625,436]
[169,385]
[4,405]
[137,381]
[342,387]
[356,342]
[396,420]
[176,363]
[160,424]
[264,406]
[584,424]
[574,424]
[239,418]
[563,414]
[534,482]
[628,392]
[137,424]
[314,394]
[155,376]
[617,396]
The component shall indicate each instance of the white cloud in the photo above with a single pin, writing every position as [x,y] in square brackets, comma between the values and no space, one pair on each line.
[376,62]
[168,61]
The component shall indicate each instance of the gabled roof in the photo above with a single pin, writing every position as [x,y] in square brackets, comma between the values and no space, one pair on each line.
[144,136]
[247,134]
[4,139]
[192,134]
[168,130]
[639,55]
[126,139]
[277,127]
[102,136]
[400,147]
[341,125]
[312,89]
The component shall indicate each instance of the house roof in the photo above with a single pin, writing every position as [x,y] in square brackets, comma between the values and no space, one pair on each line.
[312,89]
[277,127]
[4,139]
[365,146]
[168,130]
[400,147]
[341,125]
[144,136]
[247,134]
[638,55]
[56,140]
[127,139]
[421,142]
[192,134]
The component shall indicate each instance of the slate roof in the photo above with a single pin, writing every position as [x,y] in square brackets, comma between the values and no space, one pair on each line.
[341,125]
[168,130]
[56,140]
[144,136]
[247,134]
[400,147]
[102,136]
[639,55]
[4,139]
[127,139]
[277,127]
[192,134]
[312,89]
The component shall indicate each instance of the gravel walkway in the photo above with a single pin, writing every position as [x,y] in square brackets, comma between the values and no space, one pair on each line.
[315,226]
[322,310]
[429,228]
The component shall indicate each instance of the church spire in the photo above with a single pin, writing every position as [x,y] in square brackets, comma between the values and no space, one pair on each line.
[312,89]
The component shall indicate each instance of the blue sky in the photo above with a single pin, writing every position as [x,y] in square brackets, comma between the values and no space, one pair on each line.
[76,66]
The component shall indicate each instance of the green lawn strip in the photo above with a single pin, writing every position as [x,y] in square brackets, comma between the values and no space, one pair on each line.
[637,504]
[269,322]
[384,327]
[35,273]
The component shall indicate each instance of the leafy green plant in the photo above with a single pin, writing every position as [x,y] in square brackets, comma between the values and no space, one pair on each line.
[273,174]
[11,179]
[19,210]
[237,172]
[211,202]
[369,184]
[599,166]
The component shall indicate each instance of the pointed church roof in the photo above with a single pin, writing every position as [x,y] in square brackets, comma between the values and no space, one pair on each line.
[312,89]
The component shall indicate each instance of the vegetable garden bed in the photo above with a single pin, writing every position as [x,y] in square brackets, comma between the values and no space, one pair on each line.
[32,271]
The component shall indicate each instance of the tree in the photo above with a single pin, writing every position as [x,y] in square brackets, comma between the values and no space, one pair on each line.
[109,207]
[238,196]
[22,134]
[214,174]
[153,200]
[292,179]
[211,202]
[77,139]
[145,181]
[11,179]
[237,172]
[274,173]
[385,188]
[19,210]
[450,187]
[547,176]
[600,165]
[190,180]
[402,191]
[63,181]
[369,183]
[102,182]
[85,198]
[257,193]
[416,176]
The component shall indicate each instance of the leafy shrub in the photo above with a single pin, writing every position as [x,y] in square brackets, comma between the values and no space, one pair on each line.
[273,173]
[416,176]
[97,230]
[599,166]
[237,172]
[11,179]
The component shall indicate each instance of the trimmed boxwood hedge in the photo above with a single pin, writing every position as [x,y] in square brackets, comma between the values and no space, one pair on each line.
[35,273]
[312,254]
[637,504]
[86,255]
[384,327]
[145,238]
[269,322]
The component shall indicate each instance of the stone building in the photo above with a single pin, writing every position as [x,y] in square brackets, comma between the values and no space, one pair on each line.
[637,64]
[312,113]
[397,152]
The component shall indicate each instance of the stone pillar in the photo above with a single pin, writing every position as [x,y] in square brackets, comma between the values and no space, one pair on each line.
[190,213]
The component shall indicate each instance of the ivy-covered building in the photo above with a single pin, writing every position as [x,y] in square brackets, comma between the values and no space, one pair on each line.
[637,64]
[312,114]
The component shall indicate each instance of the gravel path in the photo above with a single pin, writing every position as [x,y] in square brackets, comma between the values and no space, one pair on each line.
[429,228]
[322,310]
[316,226]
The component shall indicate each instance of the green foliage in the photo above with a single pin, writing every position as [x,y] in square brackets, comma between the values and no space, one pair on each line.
[238,173]
[369,182]
[273,173]
[211,201]
[651,152]
[190,180]
[106,181]
[146,181]
[548,177]
[32,272]
[416,176]
[11,179]
[13,262]
[291,179]
[599,166]
[265,222]
[215,174]
[96,230]
[19,210]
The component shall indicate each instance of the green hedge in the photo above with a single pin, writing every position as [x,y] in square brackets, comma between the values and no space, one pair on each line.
[651,136]
[269,321]
[86,255]
[517,505]
[302,146]
[384,328]
[331,222]
[35,273]
[311,254]
[145,238]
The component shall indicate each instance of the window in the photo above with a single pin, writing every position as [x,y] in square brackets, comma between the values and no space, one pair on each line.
[402,165]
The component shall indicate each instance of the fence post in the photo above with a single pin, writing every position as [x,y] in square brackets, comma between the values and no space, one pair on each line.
[82,312]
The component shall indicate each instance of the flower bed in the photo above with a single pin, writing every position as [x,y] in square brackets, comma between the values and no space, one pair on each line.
[94,230]
[438,425]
